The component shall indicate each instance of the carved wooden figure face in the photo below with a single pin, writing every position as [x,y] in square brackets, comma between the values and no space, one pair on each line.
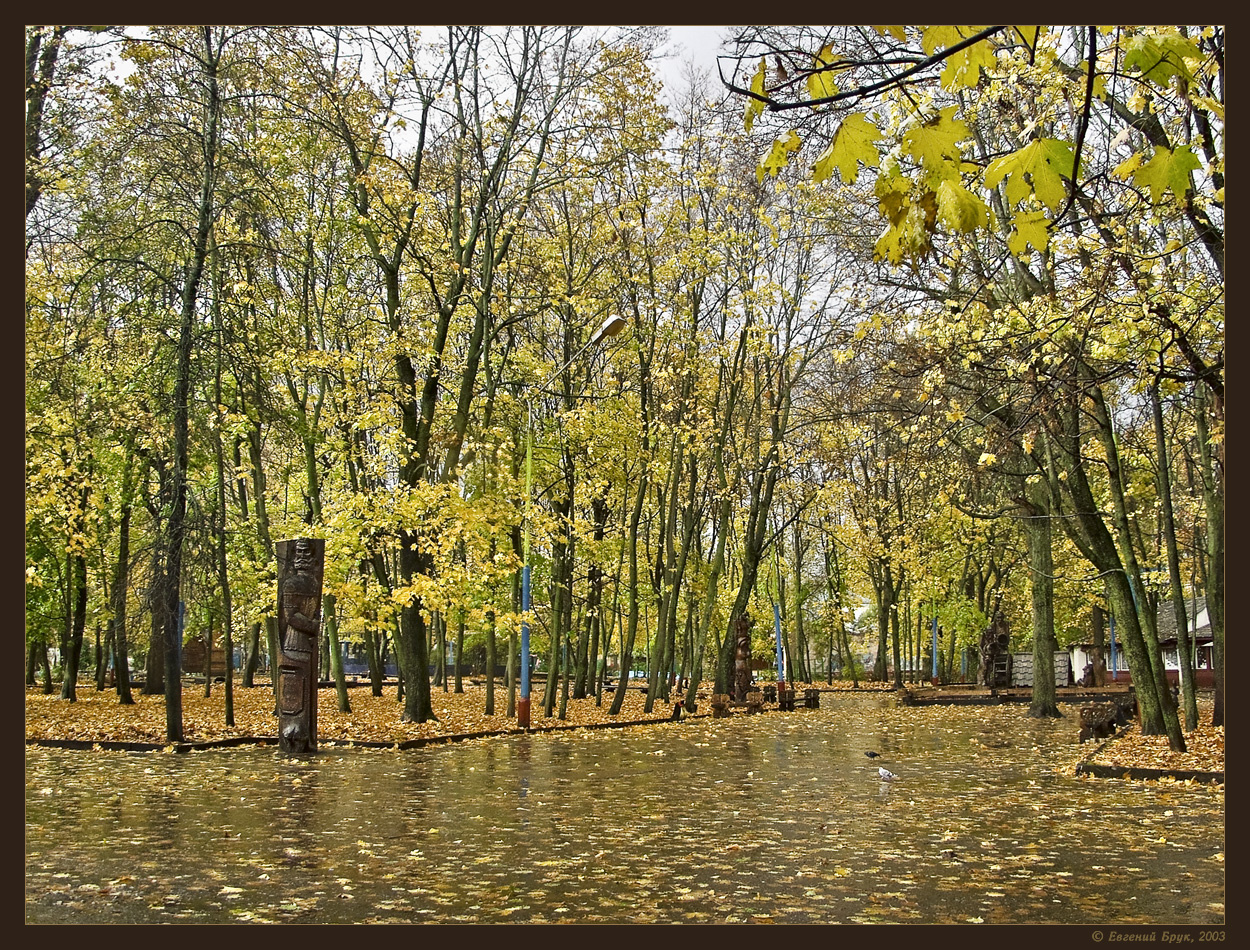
[304,557]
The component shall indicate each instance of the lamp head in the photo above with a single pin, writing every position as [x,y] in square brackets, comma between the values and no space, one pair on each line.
[610,327]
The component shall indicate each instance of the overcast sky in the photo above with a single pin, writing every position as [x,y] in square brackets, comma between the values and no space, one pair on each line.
[699,43]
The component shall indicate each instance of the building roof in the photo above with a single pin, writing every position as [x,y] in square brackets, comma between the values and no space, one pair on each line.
[1195,607]
[1166,622]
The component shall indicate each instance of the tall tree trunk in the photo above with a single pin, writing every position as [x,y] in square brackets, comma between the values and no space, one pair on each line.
[411,641]
[42,655]
[43,44]
[260,506]
[1089,532]
[631,626]
[103,647]
[439,649]
[764,482]
[154,666]
[514,649]
[894,635]
[1212,472]
[561,589]
[222,515]
[1154,656]
[490,661]
[1037,530]
[833,575]
[372,659]
[1099,636]
[1183,655]
[121,586]
[330,610]
[170,582]
[69,663]
[459,658]
[883,590]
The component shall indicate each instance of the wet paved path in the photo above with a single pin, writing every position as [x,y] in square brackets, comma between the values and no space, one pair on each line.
[775,817]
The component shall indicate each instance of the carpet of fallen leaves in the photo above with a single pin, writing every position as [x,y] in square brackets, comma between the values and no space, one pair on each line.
[1204,747]
[98,717]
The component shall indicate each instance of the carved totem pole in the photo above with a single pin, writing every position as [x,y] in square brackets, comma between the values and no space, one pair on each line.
[300,566]
[742,658]
[995,642]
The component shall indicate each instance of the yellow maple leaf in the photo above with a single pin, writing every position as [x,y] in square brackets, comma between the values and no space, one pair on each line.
[1045,162]
[932,143]
[779,155]
[755,106]
[820,84]
[851,144]
[964,67]
[960,208]
[1167,170]
[1028,227]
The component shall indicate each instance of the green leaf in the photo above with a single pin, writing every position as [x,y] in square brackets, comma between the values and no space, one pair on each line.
[960,208]
[778,155]
[1039,167]
[1167,170]
[851,144]
[1160,57]
[933,142]
[755,106]
[820,85]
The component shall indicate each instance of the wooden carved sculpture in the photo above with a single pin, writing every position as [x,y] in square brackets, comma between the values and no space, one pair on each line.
[300,566]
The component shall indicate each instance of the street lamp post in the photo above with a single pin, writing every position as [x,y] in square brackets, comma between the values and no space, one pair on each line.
[609,328]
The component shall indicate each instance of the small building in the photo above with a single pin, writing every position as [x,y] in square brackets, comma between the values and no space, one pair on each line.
[1199,623]
[1022,669]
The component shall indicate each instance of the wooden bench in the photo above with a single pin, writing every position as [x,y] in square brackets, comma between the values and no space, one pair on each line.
[770,693]
[720,705]
[755,702]
[785,700]
[811,698]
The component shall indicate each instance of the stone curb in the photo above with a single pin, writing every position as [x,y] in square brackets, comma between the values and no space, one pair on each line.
[1122,772]
[1088,767]
[400,745]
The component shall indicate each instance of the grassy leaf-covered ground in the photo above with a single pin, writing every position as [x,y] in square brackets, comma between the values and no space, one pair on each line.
[98,717]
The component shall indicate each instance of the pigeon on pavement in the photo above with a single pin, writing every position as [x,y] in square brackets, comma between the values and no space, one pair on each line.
[886,775]
[873,755]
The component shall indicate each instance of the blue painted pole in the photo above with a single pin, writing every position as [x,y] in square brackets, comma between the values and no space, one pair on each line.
[935,649]
[611,326]
[523,704]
